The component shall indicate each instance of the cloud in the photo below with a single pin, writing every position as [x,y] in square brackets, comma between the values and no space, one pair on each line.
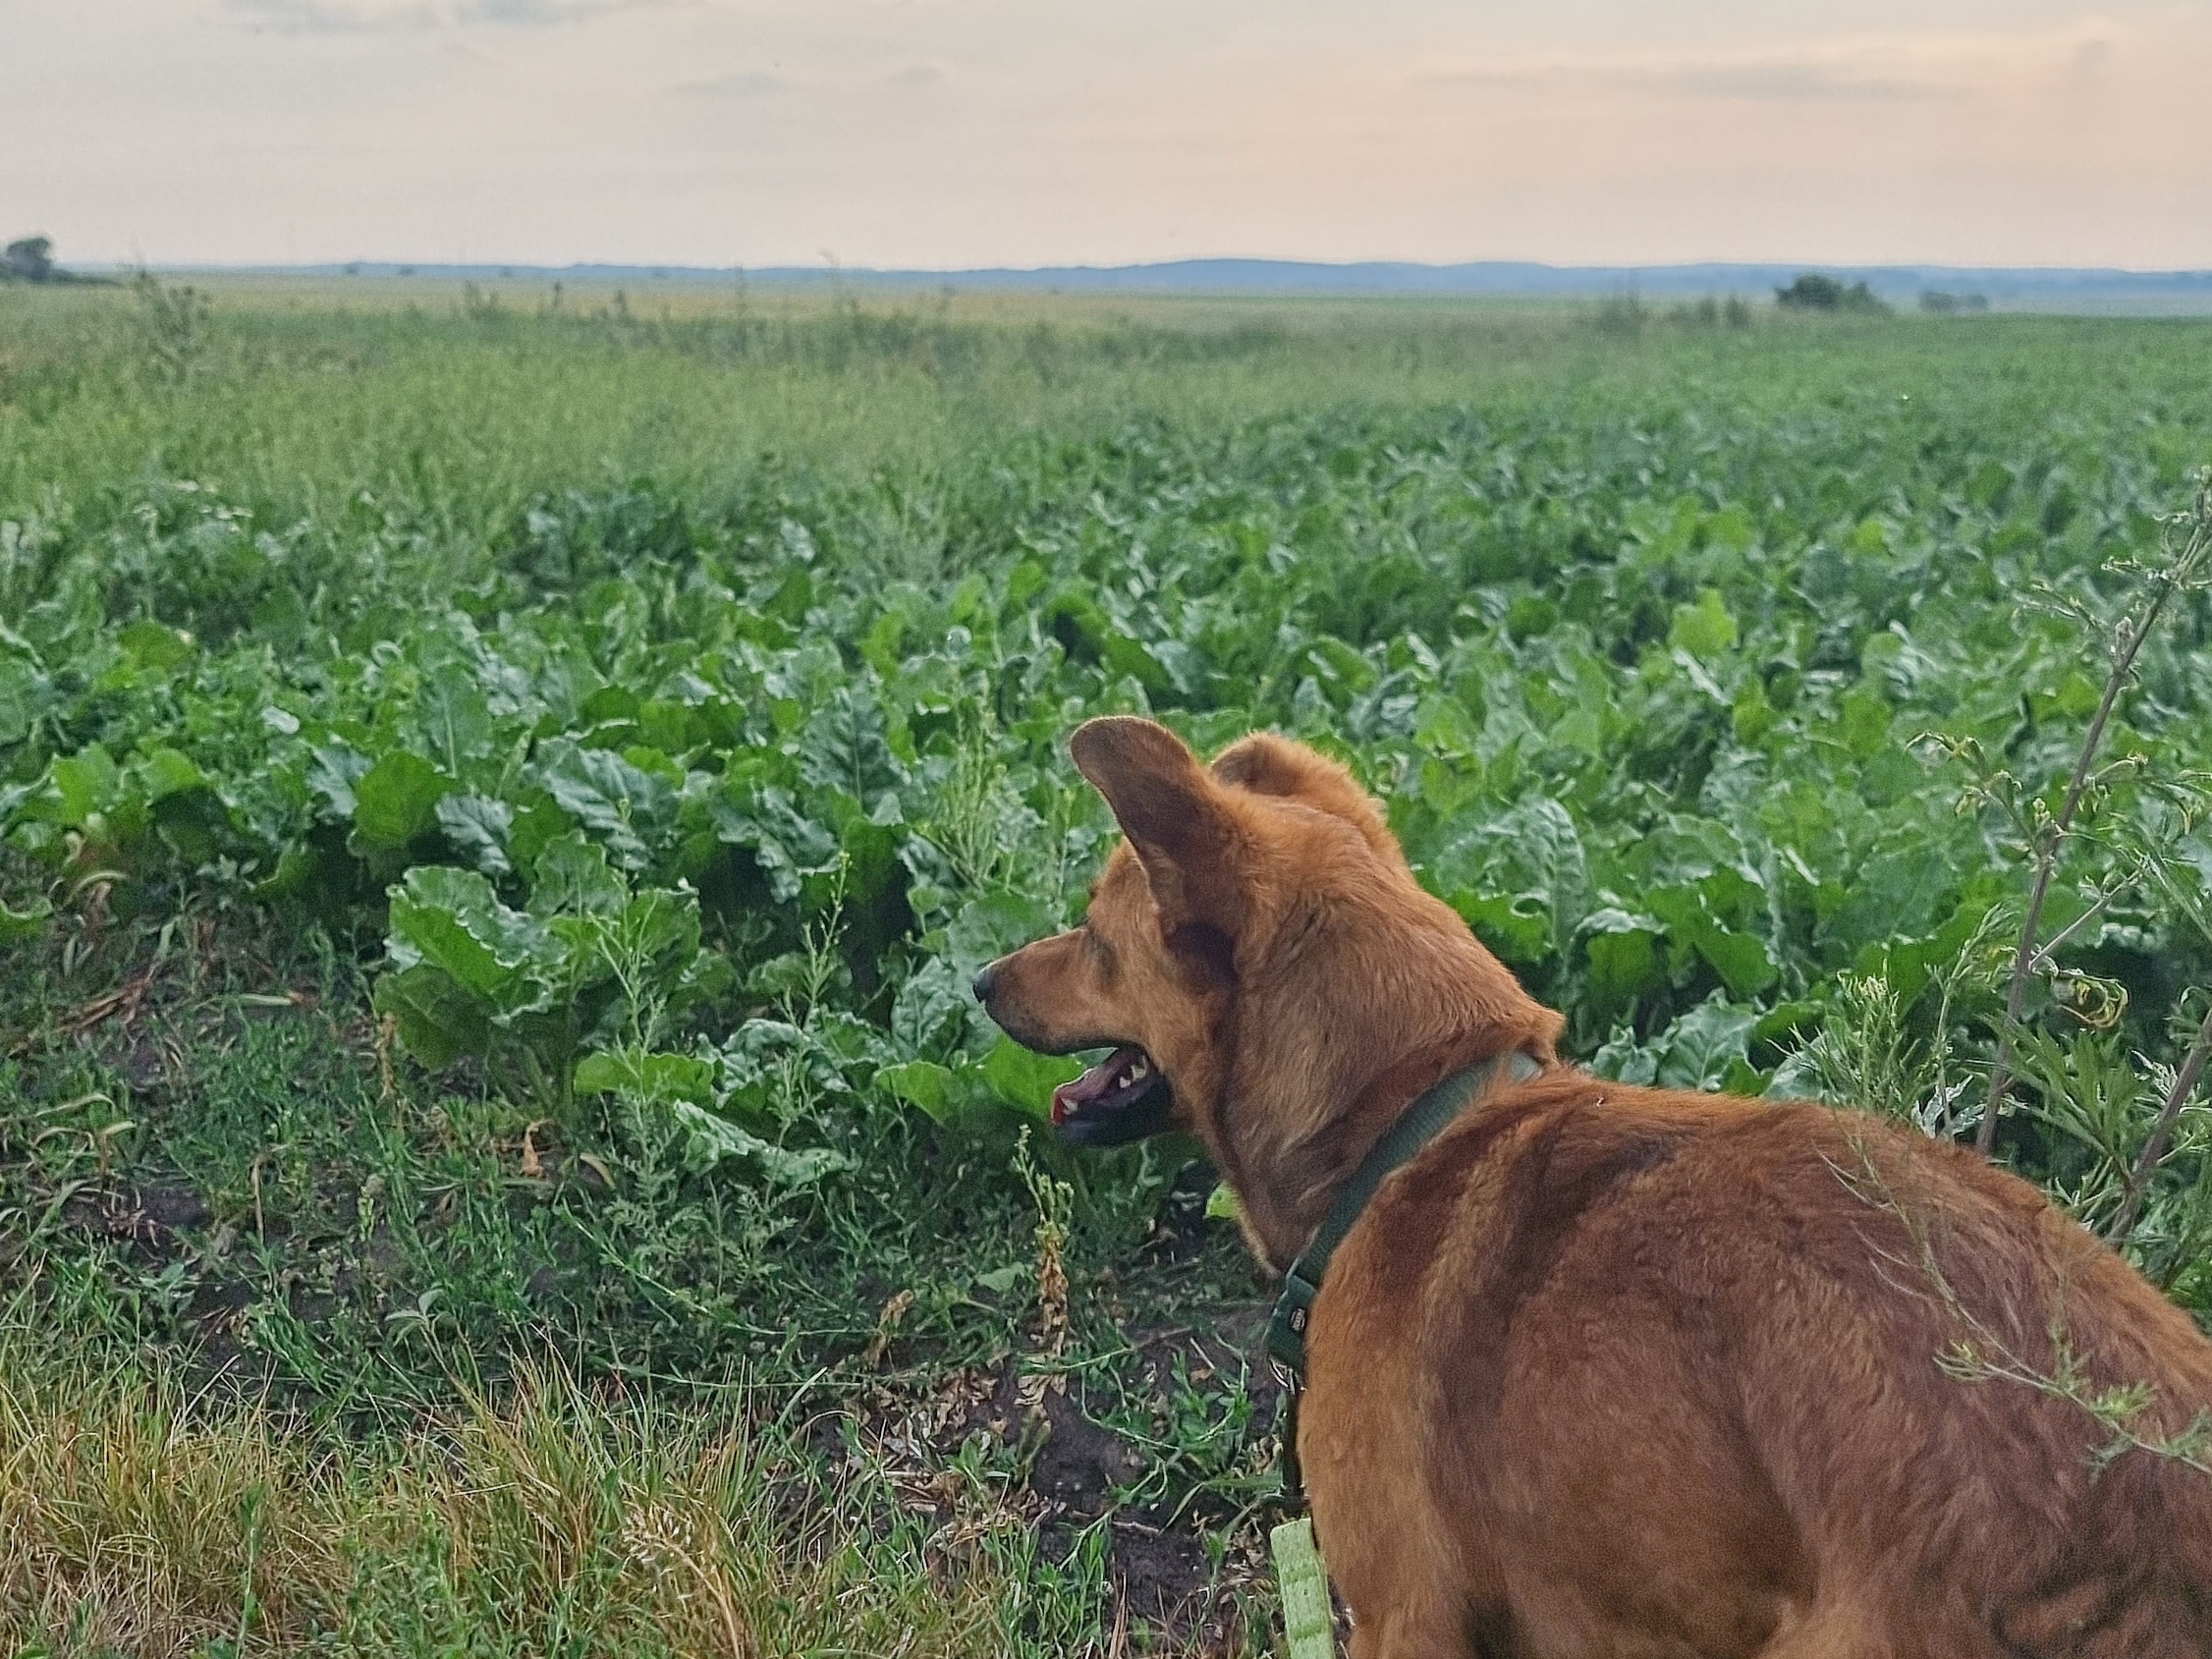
[717,132]
[744,85]
[362,17]
[756,86]
[1802,81]
[1838,72]
[2090,60]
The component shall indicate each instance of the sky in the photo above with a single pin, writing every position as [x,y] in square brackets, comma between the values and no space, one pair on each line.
[951,133]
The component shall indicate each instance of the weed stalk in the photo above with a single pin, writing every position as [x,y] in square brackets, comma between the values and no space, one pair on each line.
[2161,1133]
[2175,574]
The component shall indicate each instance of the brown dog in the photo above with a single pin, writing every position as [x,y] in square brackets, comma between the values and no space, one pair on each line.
[1607,1370]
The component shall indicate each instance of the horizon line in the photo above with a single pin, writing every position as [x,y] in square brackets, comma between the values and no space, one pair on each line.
[387,262]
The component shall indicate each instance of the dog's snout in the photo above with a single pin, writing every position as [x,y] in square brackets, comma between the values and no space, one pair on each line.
[986,977]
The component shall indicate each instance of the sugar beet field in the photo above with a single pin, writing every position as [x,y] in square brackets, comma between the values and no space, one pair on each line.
[501,799]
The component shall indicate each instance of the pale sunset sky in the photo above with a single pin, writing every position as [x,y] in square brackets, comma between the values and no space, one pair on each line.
[943,134]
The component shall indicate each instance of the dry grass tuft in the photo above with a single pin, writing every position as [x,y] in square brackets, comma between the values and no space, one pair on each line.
[137,1517]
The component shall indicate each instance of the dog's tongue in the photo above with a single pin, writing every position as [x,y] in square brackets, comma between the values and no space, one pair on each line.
[1094,1085]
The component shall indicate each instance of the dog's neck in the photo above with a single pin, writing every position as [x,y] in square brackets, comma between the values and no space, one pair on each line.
[1326,1063]
[1289,1186]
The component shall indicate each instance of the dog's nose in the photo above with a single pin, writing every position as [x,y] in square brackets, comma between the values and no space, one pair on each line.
[986,977]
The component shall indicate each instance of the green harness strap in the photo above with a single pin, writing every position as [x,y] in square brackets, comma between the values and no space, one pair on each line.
[1418,1125]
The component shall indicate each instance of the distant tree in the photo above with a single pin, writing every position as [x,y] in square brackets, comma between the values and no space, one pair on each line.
[30,258]
[1623,313]
[1811,292]
[1814,292]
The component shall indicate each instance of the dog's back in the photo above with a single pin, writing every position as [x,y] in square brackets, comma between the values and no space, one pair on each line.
[1606,1370]
[1745,1378]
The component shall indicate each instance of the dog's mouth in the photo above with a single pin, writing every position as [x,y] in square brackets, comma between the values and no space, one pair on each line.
[1123,1097]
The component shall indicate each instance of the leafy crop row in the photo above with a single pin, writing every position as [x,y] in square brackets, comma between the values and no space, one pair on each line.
[715,809]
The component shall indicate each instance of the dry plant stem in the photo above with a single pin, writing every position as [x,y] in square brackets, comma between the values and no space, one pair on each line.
[2184,1085]
[2127,647]
[2057,942]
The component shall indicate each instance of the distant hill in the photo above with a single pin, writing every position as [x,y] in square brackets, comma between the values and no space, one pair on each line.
[2032,286]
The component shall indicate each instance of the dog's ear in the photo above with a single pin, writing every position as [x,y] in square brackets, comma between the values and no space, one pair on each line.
[1176,815]
[1266,764]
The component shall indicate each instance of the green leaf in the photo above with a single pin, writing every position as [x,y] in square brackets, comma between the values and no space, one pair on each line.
[1741,960]
[164,772]
[1622,1058]
[1732,526]
[2079,696]
[660,925]
[1026,1080]
[396,800]
[79,787]
[713,1138]
[1705,629]
[24,695]
[788,845]
[1894,894]
[1872,536]
[1623,956]
[154,645]
[1138,661]
[1989,484]
[657,1077]
[1531,616]
[615,801]
[478,827]
[1785,1019]
[1863,720]
[1890,774]
[1699,1049]
[453,717]
[1518,926]
[921,1083]
[931,1008]
[438,1021]
[452,919]
[83,786]
[333,769]
[572,877]
[1754,716]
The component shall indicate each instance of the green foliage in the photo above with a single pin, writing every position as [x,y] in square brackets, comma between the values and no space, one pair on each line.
[173,325]
[28,258]
[1814,292]
[1936,302]
[1641,678]
[652,724]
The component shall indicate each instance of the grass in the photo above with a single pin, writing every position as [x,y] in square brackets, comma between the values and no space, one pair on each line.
[461,416]
[307,1347]
[328,1332]
[140,1517]
[466,416]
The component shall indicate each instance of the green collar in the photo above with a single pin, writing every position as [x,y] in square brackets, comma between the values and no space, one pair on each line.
[1419,1124]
